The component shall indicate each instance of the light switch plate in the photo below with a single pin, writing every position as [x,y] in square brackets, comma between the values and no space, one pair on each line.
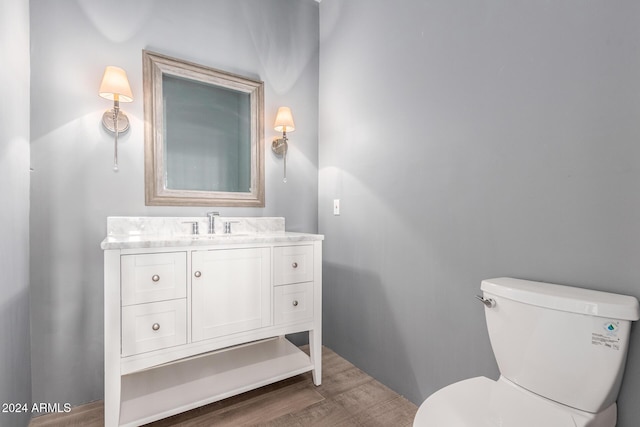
[336,206]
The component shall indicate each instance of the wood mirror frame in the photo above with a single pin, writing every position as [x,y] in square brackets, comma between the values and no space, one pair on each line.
[157,193]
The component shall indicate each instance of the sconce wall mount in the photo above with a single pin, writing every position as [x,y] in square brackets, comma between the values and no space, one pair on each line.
[109,120]
[280,145]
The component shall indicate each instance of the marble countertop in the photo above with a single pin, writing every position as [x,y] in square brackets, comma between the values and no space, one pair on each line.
[159,232]
[134,242]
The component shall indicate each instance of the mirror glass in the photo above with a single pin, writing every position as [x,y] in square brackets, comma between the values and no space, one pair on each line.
[203,135]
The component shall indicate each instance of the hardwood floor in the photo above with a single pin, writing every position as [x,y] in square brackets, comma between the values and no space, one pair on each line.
[347,397]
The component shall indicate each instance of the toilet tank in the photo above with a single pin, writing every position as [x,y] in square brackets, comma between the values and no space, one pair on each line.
[564,343]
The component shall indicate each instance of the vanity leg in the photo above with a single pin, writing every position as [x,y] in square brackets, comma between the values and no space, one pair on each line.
[112,401]
[315,335]
[112,383]
[315,351]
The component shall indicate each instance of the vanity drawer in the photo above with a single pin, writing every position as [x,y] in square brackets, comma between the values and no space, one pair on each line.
[292,264]
[153,277]
[293,303]
[148,327]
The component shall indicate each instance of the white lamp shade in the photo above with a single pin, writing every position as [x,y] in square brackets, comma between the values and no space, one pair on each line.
[284,120]
[115,84]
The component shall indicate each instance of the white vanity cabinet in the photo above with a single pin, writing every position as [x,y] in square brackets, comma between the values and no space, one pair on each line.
[191,321]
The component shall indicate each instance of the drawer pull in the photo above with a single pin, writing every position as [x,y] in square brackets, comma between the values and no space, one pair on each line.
[155,326]
[294,265]
[295,302]
[155,278]
[197,274]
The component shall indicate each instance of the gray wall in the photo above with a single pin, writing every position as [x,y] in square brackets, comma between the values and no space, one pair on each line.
[15,368]
[73,186]
[469,140]
[465,140]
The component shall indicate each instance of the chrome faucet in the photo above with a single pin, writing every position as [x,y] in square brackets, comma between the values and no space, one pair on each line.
[212,218]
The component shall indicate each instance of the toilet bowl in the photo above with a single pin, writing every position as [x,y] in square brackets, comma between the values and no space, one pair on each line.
[482,402]
[561,352]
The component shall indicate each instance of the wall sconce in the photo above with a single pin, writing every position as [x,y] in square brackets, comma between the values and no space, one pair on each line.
[284,123]
[115,87]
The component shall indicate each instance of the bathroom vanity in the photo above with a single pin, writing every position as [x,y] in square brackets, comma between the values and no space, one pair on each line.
[195,318]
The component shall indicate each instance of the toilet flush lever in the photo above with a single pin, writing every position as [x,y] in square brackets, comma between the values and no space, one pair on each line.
[488,302]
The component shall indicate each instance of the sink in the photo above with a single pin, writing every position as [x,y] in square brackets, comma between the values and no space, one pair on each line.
[217,236]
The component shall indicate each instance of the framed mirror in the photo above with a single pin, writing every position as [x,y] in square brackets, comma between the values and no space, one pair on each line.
[204,135]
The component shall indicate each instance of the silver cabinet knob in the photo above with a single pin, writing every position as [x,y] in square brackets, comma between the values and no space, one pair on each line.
[155,278]
[295,302]
[197,274]
[294,265]
[155,326]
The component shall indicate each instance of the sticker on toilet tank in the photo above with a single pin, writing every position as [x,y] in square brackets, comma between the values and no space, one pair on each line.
[606,336]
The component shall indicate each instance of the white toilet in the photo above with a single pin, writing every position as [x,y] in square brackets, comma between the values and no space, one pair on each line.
[561,352]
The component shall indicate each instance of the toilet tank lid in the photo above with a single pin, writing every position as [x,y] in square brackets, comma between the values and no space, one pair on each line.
[564,298]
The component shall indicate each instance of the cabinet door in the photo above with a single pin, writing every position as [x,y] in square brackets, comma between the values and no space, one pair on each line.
[231,291]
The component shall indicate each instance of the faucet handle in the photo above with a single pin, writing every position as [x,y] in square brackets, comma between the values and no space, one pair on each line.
[194,226]
[227,226]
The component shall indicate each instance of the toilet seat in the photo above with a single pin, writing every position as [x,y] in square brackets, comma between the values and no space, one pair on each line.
[482,402]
